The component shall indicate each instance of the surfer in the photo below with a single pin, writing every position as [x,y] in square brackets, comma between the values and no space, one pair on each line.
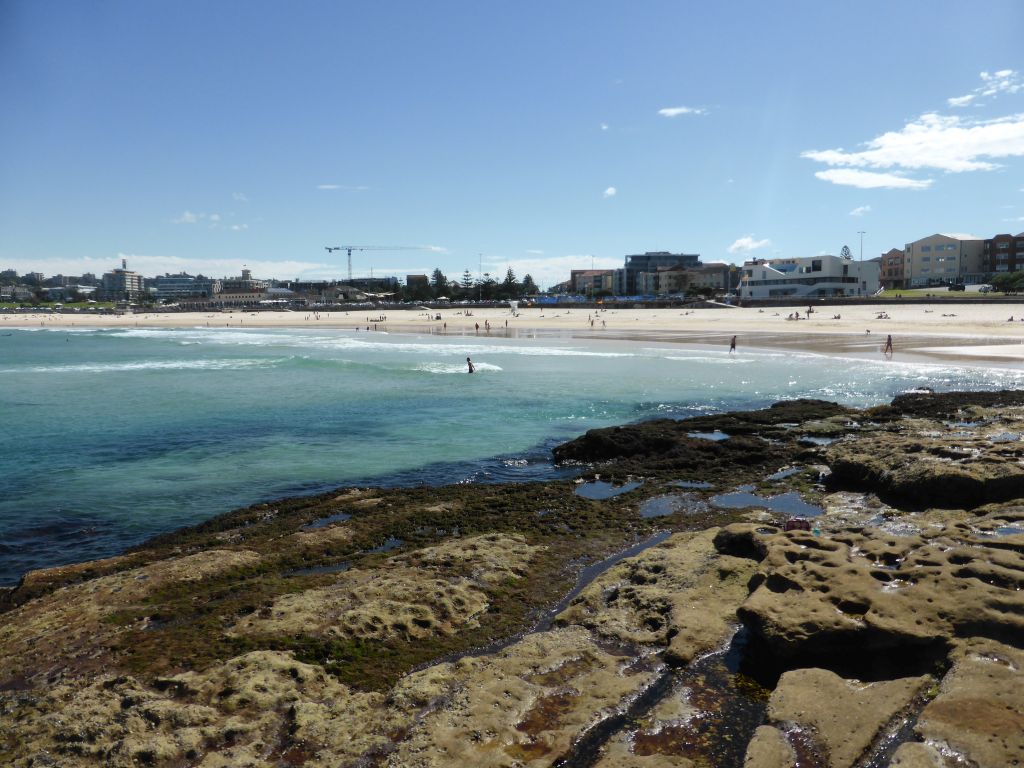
[469,364]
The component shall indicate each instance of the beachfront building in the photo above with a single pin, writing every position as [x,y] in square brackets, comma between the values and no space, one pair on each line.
[891,275]
[590,282]
[813,277]
[168,287]
[1004,253]
[122,284]
[716,275]
[943,259]
[625,283]
[663,281]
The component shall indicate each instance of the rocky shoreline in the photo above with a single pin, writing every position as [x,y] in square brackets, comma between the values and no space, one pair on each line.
[416,627]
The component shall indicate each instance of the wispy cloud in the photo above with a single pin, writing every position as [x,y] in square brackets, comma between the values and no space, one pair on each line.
[604,126]
[870,180]
[1005,81]
[239,227]
[860,210]
[677,111]
[434,248]
[960,101]
[343,187]
[747,244]
[534,252]
[212,220]
[239,197]
[188,218]
[611,192]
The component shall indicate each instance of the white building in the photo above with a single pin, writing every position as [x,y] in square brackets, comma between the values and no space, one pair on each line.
[814,277]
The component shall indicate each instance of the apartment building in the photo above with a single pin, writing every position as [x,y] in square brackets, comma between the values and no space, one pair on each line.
[943,259]
[1004,253]
[122,284]
[891,275]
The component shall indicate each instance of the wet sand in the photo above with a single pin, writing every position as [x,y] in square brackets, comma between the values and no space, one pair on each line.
[969,333]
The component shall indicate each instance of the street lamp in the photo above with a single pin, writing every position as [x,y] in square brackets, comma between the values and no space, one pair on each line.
[860,275]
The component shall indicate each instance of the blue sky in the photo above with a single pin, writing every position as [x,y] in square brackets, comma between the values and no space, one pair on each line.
[538,135]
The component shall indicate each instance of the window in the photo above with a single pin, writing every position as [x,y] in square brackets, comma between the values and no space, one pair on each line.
[926,249]
[1002,246]
[816,266]
[926,258]
[925,270]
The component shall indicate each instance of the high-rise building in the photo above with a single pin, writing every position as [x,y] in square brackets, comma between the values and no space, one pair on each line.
[122,284]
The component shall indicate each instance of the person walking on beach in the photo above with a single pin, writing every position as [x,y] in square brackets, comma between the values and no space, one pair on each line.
[732,345]
[469,364]
[888,345]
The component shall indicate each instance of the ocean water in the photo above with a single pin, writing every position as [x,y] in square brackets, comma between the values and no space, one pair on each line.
[108,437]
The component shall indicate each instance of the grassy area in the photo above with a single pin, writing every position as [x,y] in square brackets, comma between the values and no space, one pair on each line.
[934,294]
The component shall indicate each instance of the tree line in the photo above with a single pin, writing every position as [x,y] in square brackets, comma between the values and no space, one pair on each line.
[485,287]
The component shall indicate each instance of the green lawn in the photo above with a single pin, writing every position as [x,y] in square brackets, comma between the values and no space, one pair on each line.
[934,293]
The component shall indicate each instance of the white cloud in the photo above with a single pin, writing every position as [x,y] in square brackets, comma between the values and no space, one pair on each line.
[871,180]
[534,252]
[936,141]
[1003,81]
[152,264]
[239,227]
[604,126]
[240,197]
[747,244]
[676,111]
[434,248]
[992,84]
[343,187]
[960,101]
[611,192]
[860,210]
[328,186]
[188,218]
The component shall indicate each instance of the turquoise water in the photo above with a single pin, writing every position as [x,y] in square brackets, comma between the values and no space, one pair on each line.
[112,436]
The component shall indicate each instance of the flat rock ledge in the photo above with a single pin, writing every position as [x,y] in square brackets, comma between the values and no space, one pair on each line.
[413,628]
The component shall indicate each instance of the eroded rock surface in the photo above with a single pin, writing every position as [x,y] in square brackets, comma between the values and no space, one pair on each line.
[869,593]
[68,630]
[835,719]
[399,599]
[978,715]
[681,594]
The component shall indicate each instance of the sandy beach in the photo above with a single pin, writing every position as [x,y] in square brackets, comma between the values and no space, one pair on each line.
[939,330]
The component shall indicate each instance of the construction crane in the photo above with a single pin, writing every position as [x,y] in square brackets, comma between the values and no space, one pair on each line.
[350,248]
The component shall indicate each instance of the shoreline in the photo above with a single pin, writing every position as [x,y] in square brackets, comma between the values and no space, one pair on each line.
[921,332]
